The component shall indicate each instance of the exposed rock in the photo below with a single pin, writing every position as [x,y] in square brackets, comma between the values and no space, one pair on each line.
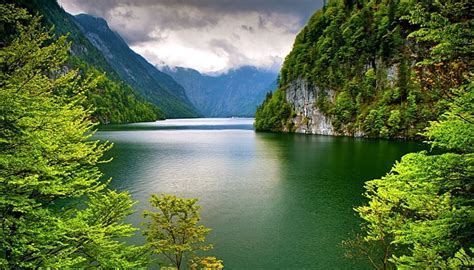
[302,96]
[309,119]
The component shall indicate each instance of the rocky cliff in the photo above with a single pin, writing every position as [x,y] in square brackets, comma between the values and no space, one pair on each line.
[351,72]
[302,96]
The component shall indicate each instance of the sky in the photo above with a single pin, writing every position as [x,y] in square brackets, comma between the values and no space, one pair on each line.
[211,36]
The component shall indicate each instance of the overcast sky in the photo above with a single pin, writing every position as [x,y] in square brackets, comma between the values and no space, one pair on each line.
[208,35]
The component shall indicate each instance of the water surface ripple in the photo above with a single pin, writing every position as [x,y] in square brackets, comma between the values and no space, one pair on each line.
[274,201]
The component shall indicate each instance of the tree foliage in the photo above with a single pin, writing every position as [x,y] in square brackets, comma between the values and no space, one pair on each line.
[421,215]
[365,52]
[113,100]
[273,113]
[207,263]
[174,231]
[47,159]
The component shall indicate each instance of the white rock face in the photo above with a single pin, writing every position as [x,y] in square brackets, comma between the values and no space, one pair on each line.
[302,96]
[310,120]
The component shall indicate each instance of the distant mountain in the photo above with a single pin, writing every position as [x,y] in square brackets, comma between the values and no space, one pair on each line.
[155,86]
[235,93]
[113,99]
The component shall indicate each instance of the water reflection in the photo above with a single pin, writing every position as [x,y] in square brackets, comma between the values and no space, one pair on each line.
[274,201]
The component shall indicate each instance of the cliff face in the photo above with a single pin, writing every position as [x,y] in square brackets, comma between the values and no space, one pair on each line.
[351,72]
[309,119]
[304,96]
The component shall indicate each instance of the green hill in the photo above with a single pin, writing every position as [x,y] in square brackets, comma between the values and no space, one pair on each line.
[115,99]
[352,72]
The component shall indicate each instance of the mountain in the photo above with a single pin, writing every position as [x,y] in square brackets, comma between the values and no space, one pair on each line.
[114,101]
[157,87]
[352,72]
[235,93]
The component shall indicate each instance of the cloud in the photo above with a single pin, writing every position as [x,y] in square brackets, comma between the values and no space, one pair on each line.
[208,35]
[248,28]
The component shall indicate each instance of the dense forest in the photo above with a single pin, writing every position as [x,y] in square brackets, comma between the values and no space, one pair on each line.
[114,101]
[366,62]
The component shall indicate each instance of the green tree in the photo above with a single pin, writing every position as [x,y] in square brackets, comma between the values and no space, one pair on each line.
[48,160]
[421,213]
[273,113]
[174,231]
[207,263]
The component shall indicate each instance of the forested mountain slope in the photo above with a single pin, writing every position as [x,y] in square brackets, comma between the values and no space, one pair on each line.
[114,101]
[352,71]
[235,93]
[157,87]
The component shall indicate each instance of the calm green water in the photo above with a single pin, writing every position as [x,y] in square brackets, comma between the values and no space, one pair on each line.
[274,201]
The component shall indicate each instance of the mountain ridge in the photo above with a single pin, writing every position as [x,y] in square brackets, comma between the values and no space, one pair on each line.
[236,93]
[114,101]
[157,87]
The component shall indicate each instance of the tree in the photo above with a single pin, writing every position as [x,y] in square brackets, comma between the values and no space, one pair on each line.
[421,212]
[48,160]
[174,231]
[207,263]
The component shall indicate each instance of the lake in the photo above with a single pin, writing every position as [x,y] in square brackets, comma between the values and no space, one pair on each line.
[274,201]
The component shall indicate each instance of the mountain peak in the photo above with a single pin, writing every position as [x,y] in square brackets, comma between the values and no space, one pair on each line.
[155,86]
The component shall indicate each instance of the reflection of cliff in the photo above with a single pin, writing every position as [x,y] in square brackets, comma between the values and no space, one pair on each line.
[321,180]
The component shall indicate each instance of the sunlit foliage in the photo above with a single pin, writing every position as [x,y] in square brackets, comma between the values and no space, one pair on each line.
[48,160]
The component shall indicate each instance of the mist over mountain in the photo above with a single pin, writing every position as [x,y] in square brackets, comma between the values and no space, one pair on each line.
[235,93]
[179,92]
[155,86]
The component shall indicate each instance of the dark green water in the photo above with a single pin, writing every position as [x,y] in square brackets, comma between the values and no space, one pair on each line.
[274,201]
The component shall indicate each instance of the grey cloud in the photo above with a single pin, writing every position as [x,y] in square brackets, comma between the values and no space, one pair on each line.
[127,14]
[224,45]
[235,56]
[261,22]
[247,28]
[301,8]
[218,26]
[151,15]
